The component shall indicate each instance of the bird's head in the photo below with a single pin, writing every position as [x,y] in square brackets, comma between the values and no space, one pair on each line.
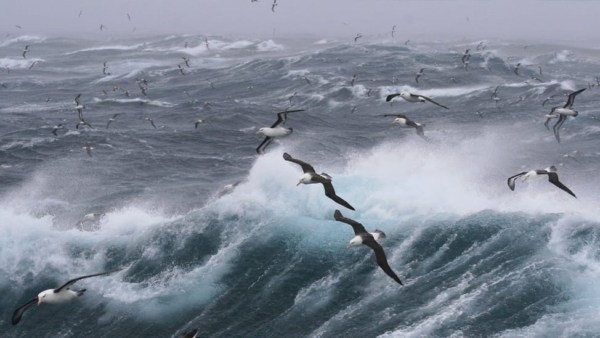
[357,240]
[42,296]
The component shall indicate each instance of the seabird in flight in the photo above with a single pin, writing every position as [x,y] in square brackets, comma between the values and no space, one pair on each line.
[419,74]
[465,58]
[552,178]
[562,113]
[53,296]
[197,123]
[110,120]
[56,128]
[25,51]
[393,30]
[358,36]
[186,61]
[105,69]
[276,130]
[412,98]
[311,177]
[370,240]
[151,122]
[273,6]
[404,121]
[180,69]
[88,149]
[516,70]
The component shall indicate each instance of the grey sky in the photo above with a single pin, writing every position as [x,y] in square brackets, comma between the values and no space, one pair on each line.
[557,21]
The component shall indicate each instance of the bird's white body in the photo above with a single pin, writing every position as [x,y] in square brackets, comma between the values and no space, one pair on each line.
[531,173]
[306,179]
[564,111]
[64,295]
[275,132]
[411,98]
[358,239]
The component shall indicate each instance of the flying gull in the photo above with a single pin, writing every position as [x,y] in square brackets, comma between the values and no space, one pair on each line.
[180,69]
[562,113]
[370,240]
[404,121]
[105,69]
[273,6]
[552,178]
[276,130]
[412,98]
[393,30]
[516,69]
[110,120]
[151,122]
[311,177]
[56,128]
[88,149]
[186,61]
[25,51]
[358,36]
[53,296]
[198,122]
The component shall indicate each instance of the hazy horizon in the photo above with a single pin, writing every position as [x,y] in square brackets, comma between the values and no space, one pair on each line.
[547,21]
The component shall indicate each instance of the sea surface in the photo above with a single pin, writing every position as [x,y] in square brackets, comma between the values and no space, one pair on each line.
[266,258]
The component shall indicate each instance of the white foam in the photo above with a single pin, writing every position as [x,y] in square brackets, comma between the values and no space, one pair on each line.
[18,63]
[269,46]
[21,39]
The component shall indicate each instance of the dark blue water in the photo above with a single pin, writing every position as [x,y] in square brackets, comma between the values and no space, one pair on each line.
[266,259]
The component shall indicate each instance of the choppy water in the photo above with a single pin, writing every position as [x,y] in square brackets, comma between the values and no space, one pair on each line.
[268,260]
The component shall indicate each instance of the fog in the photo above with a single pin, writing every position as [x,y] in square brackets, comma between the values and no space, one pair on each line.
[550,21]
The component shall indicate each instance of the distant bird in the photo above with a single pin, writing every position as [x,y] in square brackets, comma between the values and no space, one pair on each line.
[548,99]
[151,122]
[79,107]
[273,6]
[197,123]
[88,149]
[495,97]
[358,36]
[562,113]
[56,128]
[80,12]
[102,27]
[206,43]
[33,64]
[353,80]
[128,17]
[516,69]
[419,74]
[276,130]
[404,121]
[406,42]
[181,69]
[25,51]
[466,56]
[61,294]
[353,109]
[311,177]
[105,69]
[370,240]
[393,30]
[307,80]
[18,26]
[540,68]
[552,178]
[186,61]
[412,98]
[110,120]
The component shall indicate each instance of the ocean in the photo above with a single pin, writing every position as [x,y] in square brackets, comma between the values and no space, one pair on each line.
[263,257]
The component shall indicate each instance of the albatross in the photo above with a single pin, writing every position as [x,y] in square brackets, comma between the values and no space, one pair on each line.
[311,177]
[404,121]
[275,130]
[53,296]
[552,178]
[562,113]
[370,240]
[413,98]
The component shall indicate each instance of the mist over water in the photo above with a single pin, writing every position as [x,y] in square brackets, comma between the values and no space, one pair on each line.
[267,259]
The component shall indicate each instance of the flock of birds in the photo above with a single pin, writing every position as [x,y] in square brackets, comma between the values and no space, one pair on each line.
[310,176]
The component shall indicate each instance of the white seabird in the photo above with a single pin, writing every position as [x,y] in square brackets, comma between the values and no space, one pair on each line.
[370,240]
[562,113]
[404,121]
[552,178]
[276,130]
[54,296]
[311,177]
[413,98]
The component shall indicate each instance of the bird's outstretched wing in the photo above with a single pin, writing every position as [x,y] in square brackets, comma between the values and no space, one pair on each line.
[307,168]
[264,144]
[282,117]
[396,115]
[571,98]
[430,100]
[330,192]
[358,228]
[16,317]
[72,281]
[511,180]
[381,259]
[553,178]
[556,128]
[391,96]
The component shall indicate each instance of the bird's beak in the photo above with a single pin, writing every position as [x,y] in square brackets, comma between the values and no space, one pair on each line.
[39,301]
[348,246]
[297,184]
